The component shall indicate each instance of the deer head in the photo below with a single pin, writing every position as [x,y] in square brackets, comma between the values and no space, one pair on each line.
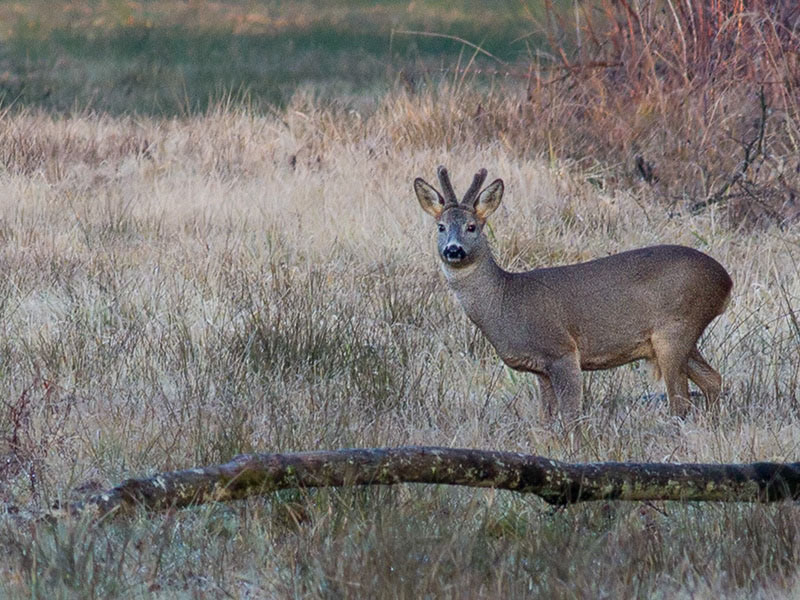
[460,224]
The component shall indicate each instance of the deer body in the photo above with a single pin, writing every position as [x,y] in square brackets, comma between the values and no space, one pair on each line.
[651,303]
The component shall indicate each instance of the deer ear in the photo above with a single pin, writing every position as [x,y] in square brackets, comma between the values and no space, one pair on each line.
[430,200]
[489,199]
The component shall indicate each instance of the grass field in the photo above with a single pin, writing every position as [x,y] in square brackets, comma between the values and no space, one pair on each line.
[174,57]
[176,291]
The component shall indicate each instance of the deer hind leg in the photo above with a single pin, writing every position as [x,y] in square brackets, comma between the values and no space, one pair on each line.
[565,379]
[672,356]
[706,378]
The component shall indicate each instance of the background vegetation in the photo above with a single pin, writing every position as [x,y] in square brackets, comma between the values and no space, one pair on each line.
[175,57]
[222,254]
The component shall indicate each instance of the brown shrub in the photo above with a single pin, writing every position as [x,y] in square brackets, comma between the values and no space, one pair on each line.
[697,98]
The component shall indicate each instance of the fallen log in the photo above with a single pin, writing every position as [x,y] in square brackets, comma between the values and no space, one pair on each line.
[554,481]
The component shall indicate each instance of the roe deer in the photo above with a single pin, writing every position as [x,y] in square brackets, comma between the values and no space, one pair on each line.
[651,303]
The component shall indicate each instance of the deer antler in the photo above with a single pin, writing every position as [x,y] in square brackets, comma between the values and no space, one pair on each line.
[447,187]
[472,192]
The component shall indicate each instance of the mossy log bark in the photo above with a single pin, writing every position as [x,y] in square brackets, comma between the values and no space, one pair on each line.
[556,482]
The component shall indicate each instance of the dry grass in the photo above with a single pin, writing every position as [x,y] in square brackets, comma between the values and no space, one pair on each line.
[698,99]
[177,292]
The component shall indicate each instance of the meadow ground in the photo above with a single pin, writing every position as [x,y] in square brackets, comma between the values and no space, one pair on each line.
[171,57]
[180,286]
[177,292]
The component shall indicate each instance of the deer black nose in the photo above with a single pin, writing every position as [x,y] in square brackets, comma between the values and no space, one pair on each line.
[453,252]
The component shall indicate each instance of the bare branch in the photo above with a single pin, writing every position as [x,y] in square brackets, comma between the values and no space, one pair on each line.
[752,150]
[554,481]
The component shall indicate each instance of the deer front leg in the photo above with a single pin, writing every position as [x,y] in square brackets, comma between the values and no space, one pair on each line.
[564,375]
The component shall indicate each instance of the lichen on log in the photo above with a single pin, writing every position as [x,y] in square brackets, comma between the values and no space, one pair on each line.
[554,481]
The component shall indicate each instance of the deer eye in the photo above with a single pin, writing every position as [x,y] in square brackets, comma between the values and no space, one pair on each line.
[471,227]
[441,227]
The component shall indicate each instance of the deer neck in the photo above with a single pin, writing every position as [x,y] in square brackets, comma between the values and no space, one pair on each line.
[479,287]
